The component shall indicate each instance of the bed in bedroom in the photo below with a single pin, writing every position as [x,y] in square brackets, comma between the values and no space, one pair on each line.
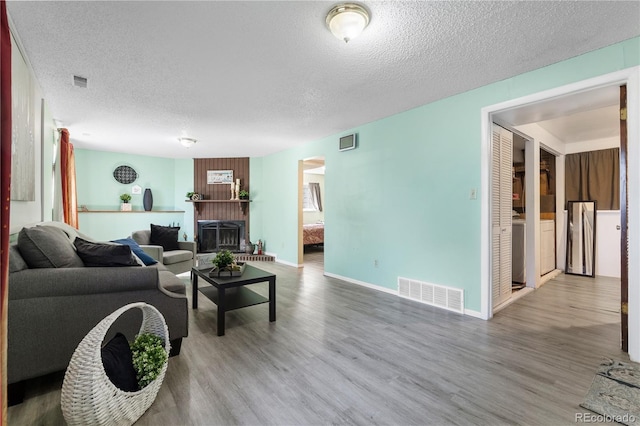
[313,234]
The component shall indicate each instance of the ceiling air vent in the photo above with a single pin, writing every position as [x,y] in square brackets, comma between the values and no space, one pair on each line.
[79,81]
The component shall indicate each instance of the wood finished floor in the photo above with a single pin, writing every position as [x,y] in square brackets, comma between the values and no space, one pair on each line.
[344,354]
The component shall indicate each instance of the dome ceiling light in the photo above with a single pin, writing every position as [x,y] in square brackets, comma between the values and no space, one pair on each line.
[187,142]
[346,21]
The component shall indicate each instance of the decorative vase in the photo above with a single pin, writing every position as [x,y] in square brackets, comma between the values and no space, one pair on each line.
[147,200]
[250,248]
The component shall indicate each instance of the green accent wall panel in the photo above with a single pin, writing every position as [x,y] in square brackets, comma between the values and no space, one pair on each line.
[402,197]
[98,190]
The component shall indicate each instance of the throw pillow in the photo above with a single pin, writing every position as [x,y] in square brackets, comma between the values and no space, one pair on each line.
[103,254]
[117,361]
[16,262]
[137,250]
[47,247]
[165,236]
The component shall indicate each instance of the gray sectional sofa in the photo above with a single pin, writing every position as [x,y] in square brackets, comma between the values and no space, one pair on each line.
[54,300]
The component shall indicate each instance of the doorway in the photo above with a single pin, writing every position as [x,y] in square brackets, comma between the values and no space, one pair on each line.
[311,213]
[562,100]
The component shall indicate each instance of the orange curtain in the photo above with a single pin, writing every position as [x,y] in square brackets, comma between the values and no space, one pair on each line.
[68,176]
[5,193]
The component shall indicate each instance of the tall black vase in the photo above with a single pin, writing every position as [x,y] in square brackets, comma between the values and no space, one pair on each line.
[147,200]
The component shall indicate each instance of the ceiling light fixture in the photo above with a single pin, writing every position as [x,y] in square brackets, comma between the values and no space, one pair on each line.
[346,21]
[187,142]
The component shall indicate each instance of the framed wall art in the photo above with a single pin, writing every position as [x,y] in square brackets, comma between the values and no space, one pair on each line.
[219,177]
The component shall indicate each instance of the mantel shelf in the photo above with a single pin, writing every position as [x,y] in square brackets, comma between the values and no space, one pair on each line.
[242,203]
[218,201]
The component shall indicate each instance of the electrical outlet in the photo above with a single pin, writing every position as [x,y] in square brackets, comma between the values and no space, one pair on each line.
[473,194]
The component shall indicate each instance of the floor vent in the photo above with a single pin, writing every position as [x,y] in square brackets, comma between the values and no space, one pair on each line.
[448,298]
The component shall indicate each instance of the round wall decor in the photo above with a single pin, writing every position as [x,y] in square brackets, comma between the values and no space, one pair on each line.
[125,174]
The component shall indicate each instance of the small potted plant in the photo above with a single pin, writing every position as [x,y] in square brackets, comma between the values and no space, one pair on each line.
[125,206]
[225,262]
[243,195]
[193,196]
[149,356]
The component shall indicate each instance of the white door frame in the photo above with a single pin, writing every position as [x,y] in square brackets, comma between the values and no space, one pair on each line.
[630,77]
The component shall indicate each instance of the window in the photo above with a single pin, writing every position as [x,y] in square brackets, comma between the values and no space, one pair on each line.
[311,197]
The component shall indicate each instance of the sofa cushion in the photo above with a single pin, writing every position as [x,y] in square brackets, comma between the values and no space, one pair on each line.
[165,236]
[71,232]
[16,262]
[142,237]
[137,250]
[47,247]
[102,254]
[176,256]
[117,361]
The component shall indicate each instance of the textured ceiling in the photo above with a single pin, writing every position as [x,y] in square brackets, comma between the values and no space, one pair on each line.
[256,77]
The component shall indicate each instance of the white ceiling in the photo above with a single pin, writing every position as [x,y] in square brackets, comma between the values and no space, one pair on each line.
[584,126]
[255,77]
[579,117]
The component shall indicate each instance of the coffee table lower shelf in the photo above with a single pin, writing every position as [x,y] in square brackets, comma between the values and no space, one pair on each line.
[234,298]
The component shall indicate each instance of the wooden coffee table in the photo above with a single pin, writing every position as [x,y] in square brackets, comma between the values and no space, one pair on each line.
[230,293]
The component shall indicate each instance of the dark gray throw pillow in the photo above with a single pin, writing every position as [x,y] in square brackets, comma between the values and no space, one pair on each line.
[16,261]
[165,236]
[101,254]
[47,247]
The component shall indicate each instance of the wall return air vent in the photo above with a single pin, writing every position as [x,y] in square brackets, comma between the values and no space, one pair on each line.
[79,81]
[443,297]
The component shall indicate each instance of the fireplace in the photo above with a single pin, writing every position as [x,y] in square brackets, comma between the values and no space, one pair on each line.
[216,235]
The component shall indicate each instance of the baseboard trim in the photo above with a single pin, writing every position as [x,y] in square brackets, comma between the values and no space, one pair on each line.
[361,283]
[474,314]
[468,312]
[284,262]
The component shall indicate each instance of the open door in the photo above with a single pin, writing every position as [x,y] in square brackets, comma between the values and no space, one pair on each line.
[624,245]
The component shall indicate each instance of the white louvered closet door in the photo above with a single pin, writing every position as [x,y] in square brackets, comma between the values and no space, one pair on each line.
[501,207]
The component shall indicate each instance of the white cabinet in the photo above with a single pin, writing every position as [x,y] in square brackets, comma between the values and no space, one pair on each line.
[547,246]
[547,249]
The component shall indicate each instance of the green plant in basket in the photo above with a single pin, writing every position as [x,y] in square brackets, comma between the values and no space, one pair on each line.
[149,356]
[224,260]
[125,197]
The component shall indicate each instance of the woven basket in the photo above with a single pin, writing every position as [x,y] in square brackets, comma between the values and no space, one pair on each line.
[88,396]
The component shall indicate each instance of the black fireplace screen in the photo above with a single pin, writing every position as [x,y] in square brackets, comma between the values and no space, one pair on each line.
[216,235]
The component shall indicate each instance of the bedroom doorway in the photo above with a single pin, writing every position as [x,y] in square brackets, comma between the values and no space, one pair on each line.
[311,213]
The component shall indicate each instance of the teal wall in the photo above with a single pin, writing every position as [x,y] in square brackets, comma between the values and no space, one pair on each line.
[402,197]
[168,179]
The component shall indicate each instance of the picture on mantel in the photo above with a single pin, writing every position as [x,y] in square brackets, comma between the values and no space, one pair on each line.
[218,177]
